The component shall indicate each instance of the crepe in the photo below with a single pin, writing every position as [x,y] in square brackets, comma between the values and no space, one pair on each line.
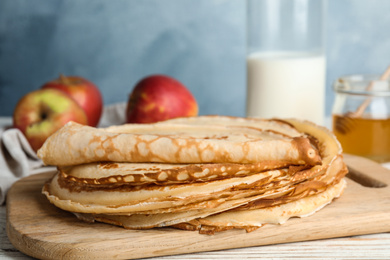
[319,187]
[246,219]
[240,201]
[252,165]
[111,173]
[176,143]
[252,219]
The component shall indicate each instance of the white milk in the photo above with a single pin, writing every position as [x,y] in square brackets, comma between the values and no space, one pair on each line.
[286,85]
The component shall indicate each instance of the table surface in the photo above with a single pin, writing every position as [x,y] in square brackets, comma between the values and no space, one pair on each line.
[375,246]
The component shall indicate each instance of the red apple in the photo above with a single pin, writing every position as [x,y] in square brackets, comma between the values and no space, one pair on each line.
[84,92]
[159,97]
[42,112]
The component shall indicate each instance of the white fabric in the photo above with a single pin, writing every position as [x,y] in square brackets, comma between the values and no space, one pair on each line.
[18,159]
[113,115]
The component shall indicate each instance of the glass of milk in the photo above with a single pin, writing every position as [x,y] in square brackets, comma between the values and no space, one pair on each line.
[285,59]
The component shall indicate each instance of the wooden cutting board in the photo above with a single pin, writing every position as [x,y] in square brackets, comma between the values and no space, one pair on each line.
[41,230]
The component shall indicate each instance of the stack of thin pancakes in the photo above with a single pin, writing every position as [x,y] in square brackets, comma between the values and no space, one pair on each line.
[206,173]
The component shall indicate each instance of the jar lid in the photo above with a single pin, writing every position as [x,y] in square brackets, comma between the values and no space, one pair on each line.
[362,84]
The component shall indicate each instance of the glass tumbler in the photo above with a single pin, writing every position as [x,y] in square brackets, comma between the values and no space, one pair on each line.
[286,63]
[361,116]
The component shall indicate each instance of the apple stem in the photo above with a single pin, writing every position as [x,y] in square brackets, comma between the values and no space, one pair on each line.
[64,79]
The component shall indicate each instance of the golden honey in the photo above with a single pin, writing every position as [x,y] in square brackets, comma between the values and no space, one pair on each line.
[364,136]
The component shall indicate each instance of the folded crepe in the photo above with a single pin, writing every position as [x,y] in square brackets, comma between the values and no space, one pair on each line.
[178,143]
[207,173]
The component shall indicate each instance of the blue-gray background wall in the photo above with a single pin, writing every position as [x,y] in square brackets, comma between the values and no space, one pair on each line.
[115,43]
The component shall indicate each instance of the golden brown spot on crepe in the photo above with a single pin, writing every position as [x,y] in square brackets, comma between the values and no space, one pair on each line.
[293,169]
[215,137]
[205,172]
[307,152]
[283,122]
[108,165]
[195,225]
[104,145]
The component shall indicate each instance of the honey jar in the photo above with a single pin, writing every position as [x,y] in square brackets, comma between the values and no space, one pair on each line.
[361,115]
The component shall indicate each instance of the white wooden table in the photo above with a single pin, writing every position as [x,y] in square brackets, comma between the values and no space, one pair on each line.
[375,246]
